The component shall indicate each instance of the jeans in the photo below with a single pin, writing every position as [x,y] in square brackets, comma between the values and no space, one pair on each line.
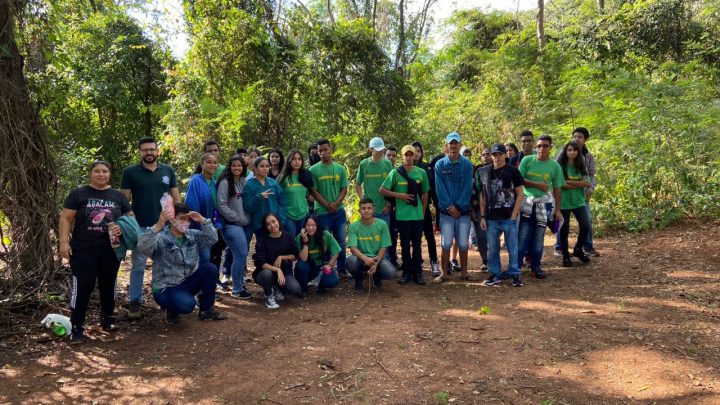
[429,233]
[455,228]
[88,266]
[358,269]
[304,272]
[589,240]
[531,238]
[411,234]
[293,226]
[235,237]
[509,228]
[180,299]
[336,223]
[137,273]
[384,217]
[268,279]
[583,223]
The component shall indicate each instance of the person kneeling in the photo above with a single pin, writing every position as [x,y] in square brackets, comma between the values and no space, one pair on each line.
[176,276]
[275,252]
[369,237]
[318,254]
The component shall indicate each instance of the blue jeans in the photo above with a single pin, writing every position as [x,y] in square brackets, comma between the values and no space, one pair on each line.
[386,218]
[304,272]
[293,226]
[509,228]
[180,299]
[455,228]
[235,237]
[531,238]
[137,273]
[385,270]
[336,223]
[204,255]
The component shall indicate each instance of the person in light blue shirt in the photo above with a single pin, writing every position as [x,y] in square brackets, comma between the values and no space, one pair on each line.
[453,185]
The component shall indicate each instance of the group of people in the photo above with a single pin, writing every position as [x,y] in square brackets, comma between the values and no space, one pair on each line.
[295,212]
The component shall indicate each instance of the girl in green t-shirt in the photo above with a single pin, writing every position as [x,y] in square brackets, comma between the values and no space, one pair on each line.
[575,172]
[296,181]
[319,252]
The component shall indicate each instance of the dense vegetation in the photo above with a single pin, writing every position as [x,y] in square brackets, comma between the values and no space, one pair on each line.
[642,75]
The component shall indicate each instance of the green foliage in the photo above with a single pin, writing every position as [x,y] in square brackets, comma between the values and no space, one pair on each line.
[442,397]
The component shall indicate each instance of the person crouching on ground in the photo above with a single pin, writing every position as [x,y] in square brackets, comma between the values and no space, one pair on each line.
[176,276]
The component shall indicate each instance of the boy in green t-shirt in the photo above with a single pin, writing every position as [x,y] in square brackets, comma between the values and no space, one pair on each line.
[368,239]
[409,187]
[371,174]
[330,182]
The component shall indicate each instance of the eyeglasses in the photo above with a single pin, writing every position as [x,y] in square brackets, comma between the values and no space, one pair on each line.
[150,150]
[543,146]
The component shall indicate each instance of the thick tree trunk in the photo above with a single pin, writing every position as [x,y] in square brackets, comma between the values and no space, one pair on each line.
[540,24]
[400,53]
[27,178]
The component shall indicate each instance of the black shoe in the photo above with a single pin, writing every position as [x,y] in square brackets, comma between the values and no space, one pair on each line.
[492,280]
[592,252]
[404,279]
[538,273]
[418,279]
[581,255]
[243,295]
[455,265]
[566,261]
[358,285]
[108,324]
[172,318]
[212,314]
[377,282]
[134,312]
[77,336]
[222,286]
[516,281]
[504,276]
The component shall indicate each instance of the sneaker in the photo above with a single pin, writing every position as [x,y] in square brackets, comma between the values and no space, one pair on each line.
[377,282]
[358,285]
[172,318]
[516,281]
[243,295]
[270,302]
[404,279]
[455,265]
[344,274]
[581,255]
[222,286]
[313,283]
[538,273]
[492,280]
[77,336]
[279,296]
[591,252]
[212,314]
[134,312]
[558,253]
[226,279]
[435,269]
[484,267]
[418,279]
[566,261]
[108,324]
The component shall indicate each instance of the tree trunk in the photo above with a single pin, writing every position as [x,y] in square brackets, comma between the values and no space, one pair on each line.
[601,6]
[27,178]
[330,14]
[401,39]
[540,23]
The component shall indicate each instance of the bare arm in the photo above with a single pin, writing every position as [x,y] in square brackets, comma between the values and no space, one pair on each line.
[519,191]
[359,190]
[557,193]
[175,193]
[67,218]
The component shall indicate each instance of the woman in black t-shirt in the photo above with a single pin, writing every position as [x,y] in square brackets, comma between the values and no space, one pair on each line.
[86,213]
[275,252]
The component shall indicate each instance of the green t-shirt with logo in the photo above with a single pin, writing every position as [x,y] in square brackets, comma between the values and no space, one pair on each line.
[219,172]
[296,195]
[397,183]
[545,171]
[369,239]
[372,175]
[575,197]
[314,254]
[328,180]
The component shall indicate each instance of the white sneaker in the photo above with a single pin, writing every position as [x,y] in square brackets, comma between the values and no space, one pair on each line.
[435,269]
[313,283]
[270,302]
[225,279]
[279,296]
[557,253]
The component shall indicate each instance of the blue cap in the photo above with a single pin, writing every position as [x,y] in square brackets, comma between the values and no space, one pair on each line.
[452,136]
[377,143]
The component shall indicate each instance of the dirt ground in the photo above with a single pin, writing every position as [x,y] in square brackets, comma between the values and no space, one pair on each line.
[640,324]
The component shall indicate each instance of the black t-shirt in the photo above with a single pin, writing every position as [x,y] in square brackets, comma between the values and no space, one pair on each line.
[95,209]
[267,249]
[498,186]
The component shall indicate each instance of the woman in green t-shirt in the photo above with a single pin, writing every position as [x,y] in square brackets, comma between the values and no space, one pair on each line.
[318,254]
[296,181]
[573,166]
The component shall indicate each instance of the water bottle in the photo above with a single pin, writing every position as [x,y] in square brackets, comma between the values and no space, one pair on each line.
[166,202]
[60,324]
[114,239]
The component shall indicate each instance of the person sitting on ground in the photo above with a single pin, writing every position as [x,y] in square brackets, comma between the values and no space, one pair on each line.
[275,252]
[177,276]
[318,254]
[368,239]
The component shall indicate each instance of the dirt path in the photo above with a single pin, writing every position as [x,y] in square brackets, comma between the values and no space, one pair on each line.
[641,324]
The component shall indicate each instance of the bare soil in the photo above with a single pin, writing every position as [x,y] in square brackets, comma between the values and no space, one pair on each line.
[640,324]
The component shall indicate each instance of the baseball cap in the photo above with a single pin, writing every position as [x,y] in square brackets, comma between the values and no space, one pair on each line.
[452,136]
[377,143]
[498,148]
[407,148]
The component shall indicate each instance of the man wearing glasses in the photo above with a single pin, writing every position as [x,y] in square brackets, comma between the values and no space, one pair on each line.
[144,185]
[543,179]
[527,141]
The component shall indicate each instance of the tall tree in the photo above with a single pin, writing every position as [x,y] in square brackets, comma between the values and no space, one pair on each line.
[540,24]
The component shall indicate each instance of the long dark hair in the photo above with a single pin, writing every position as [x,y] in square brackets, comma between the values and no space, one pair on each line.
[227,174]
[319,237]
[579,160]
[282,158]
[417,144]
[264,222]
[304,176]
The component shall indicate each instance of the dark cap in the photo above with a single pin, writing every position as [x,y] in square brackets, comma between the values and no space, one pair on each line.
[498,148]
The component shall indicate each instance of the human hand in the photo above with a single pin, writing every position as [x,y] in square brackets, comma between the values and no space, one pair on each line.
[115,229]
[65,251]
[332,207]
[387,209]
[304,235]
[558,214]
[543,187]
[196,217]
[281,278]
[267,194]
[278,262]
[372,270]
[483,224]
[408,198]
[164,217]
[368,261]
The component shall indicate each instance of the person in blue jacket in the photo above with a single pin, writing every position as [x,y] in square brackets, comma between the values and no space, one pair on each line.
[453,186]
[200,197]
[262,195]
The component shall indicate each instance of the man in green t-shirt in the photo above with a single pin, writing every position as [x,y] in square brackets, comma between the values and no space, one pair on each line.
[371,174]
[543,179]
[368,239]
[409,186]
[330,182]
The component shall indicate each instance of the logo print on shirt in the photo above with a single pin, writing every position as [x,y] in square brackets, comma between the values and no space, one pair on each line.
[166,180]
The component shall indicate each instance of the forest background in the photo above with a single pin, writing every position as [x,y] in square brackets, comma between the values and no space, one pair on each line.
[83,79]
